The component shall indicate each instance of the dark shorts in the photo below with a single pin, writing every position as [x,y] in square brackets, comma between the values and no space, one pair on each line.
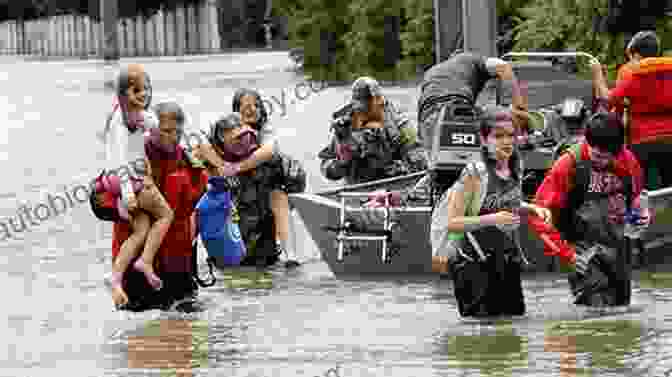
[489,288]
[283,173]
[607,281]
[654,157]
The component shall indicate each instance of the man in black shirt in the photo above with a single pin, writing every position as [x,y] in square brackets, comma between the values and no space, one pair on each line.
[458,81]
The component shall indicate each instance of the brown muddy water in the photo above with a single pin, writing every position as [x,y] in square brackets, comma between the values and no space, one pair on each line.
[59,318]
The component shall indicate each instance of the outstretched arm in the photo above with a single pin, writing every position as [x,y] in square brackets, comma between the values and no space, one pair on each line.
[268,141]
[518,94]
[552,194]
[605,99]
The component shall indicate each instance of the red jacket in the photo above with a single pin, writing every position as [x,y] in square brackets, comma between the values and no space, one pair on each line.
[649,88]
[182,190]
[552,194]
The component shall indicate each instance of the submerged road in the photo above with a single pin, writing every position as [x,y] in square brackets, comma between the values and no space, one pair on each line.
[58,317]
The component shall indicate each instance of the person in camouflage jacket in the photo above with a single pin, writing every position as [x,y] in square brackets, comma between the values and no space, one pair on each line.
[371,139]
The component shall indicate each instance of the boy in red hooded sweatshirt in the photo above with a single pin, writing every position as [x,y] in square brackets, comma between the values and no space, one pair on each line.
[589,191]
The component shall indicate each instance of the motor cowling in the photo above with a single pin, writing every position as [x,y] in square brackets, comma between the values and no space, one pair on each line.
[455,141]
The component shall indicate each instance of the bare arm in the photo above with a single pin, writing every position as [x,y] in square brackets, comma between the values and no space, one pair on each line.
[600,88]
[458,222]
[268,142]
[263,154]
[518,94]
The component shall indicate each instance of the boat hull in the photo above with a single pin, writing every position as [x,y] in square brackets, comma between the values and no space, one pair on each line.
[414,253]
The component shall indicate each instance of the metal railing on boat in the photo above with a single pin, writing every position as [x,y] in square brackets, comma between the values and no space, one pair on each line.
[343,227]
[549,54]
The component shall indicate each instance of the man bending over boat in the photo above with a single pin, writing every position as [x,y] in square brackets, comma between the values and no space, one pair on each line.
[458,81]
[592,191]
[372,139]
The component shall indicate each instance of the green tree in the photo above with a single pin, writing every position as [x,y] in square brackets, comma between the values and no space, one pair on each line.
[365,40]
[561,25]
[418,35]
[318,26]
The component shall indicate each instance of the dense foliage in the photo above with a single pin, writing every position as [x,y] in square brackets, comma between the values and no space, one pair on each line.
[560,25]
[342,40]
[358,47]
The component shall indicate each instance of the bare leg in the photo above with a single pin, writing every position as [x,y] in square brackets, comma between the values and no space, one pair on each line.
[151,200]
[440,265]
[129,249]
[280,209]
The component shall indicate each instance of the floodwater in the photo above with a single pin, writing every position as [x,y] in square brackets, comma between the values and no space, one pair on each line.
[59,318]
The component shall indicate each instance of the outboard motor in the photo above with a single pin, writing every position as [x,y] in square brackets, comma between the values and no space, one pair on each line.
[456,142]
[569,130]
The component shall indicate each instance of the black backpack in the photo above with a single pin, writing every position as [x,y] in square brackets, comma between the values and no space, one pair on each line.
[577,195]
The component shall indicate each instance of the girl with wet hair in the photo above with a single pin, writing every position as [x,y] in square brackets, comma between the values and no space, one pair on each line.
[475,225]
[138,197]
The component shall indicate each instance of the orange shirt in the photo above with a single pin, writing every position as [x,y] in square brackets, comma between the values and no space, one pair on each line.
[625,71]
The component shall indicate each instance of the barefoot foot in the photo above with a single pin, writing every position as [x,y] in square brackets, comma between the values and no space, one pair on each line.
[148,271]
[119,297]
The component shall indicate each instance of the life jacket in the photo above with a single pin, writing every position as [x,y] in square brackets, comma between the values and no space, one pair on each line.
[650,100]
[577,195]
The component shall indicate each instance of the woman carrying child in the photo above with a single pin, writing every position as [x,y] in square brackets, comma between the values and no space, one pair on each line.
[139,200]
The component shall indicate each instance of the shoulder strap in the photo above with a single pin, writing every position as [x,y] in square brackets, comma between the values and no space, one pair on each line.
[581,178]
[628,191]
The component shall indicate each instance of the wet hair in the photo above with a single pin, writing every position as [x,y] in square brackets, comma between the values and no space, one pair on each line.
[172,107]
[229,121]
[645,43]
[122,86]
[490,117]
[262,113]
[605,131]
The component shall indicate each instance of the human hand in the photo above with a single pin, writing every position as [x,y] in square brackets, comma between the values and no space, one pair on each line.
[148,182]
[373,124]
[506,218]
[229,169]
[504,71]
[206,152]
[639,221]
[543,213]
[344,152]
[596,67]
[132,204]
